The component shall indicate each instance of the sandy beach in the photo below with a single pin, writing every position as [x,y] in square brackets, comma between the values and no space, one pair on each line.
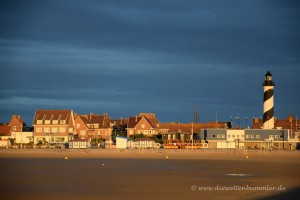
[151,174]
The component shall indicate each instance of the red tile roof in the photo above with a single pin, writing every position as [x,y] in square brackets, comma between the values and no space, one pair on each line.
[19,119]
[4,130]
[174,127]
[102,120]
[132,121]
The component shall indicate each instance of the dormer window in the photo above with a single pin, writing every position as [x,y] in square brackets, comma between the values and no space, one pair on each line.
[54,121]
[47,121]
[39,121]
[62,121]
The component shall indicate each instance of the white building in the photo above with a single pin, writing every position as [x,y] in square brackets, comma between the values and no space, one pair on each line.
[121,142]
[22,137]
[79,144]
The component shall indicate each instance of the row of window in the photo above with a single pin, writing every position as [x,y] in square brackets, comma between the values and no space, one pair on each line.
[236,136]
[89,125]
[145,132]
[53,121]
[51,139]
[174,136]
[77,143]
[53,130]
[248,136]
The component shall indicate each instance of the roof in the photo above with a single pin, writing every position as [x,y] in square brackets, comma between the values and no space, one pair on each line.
[52,115]
[268,73]
[19,119]
[102,120]
[4,130]
[133,121]
[187,128]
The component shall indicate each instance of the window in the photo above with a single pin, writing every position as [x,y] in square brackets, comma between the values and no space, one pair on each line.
[54,122]
[62,130]
[233,136]
[39,122]
[39,130]
[47,121]
[62,121]
[252,136]
[96,125]
[229,136]
[59,139]
[271,136]
[257,136]
[71,130]
[14,128]
[54,129]
[169,136]
[47,130]
[143,125]
[223,135]
[247,136]
[276,136]
[281,136]
[214,136]
[78,125]
[237,136]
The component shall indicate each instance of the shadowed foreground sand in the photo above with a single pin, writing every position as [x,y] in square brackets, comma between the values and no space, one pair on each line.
[115,174]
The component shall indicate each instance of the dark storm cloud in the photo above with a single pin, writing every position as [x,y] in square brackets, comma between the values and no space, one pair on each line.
[125,57]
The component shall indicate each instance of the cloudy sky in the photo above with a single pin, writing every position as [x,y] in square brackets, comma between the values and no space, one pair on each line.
[126,57]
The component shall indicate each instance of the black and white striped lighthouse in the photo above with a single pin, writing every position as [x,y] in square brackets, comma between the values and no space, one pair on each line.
[268,118]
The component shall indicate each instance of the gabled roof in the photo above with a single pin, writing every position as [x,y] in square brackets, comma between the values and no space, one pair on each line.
[101,120]
[133,121]
[150,117]
[19,119]
[53,115]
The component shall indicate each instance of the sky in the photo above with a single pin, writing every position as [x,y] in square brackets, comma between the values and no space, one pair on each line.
[126,57]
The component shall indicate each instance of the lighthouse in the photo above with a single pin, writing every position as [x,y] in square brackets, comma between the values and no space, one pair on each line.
[268,118]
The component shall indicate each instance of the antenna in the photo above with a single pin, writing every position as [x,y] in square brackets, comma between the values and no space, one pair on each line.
[196,114]
[216,116]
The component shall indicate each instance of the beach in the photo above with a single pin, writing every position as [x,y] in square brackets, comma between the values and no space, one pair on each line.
[148,174]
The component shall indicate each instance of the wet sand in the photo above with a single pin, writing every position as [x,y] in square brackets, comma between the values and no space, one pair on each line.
[168,174]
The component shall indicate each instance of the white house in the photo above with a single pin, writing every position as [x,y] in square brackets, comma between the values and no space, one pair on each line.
[121,142]
[22,137]
[142,142]
[79,144]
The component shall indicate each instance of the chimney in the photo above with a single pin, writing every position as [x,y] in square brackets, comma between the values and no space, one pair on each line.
[121,121]
[91,114]
[136,118]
